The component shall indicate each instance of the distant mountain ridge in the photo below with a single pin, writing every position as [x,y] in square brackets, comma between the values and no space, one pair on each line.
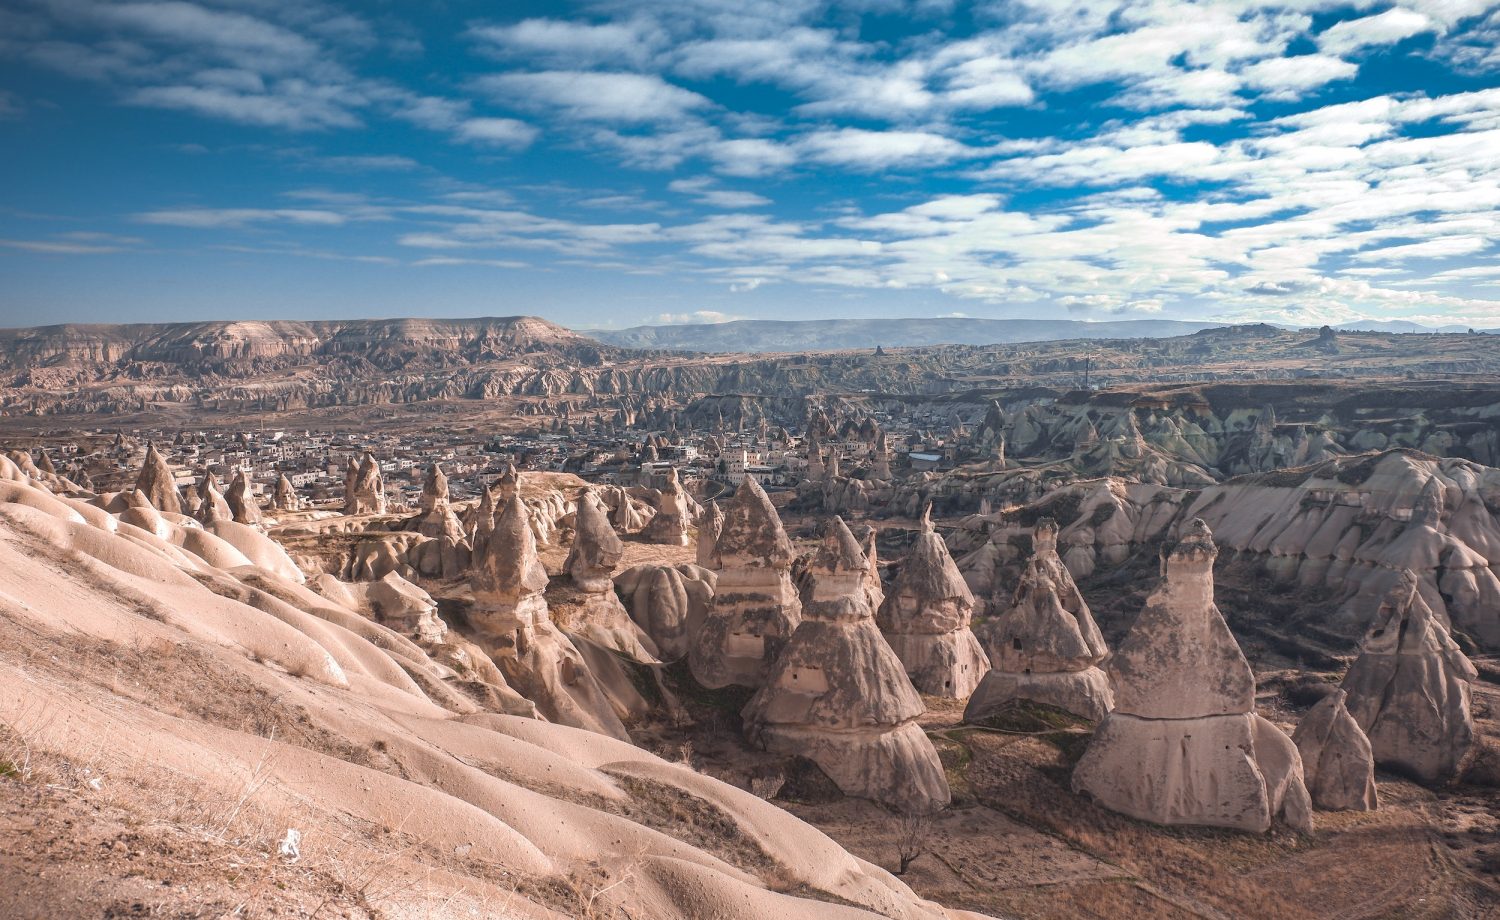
[760,335]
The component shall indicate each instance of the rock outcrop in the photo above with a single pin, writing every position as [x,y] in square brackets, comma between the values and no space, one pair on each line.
[708,533]
[285,497]
[1409,688]
[243,508]
[926,616]
[669,602]
[211,504]
[670,524]
[510,614]
[1045,646]
[157,484]
[364,491]
[755,605]
[406,608]
[1338,764]
[1183,744]
[591,562]
[840,697]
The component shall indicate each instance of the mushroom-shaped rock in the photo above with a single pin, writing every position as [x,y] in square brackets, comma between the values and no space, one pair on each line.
[1044,647]
[669,526]
[839,696]
[156,483]
[243,508]
[406,608]
[1183,744]
[1409,688]
[926,617]
[755,605]
[708,533]
[1337,762]
[364,492]
[511,616]
[591,564]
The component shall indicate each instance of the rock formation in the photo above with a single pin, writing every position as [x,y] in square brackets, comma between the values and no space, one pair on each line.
[591,564]
[511,615]
[211,504]
[668,602]
[1045,646]
[839,696]
[364,492]
[925,618]
[1183,744]
[755,606]
[670,524]
[243,508]
[285,498]
[1337,762]
[708,533]
[1409,688]
[406,608]
[156,483]
[434,489]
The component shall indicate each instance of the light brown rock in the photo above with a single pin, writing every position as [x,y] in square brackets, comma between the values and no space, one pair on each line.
[1184,744]
[1337,761]
[839,696]
[156,483]
[926,618]
[755,605]
[1409,689]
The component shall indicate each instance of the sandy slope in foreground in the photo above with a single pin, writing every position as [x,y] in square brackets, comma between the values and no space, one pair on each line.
[159,680]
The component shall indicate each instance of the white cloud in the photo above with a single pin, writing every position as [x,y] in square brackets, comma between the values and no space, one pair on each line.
[705,190]
[1443,247]
[1385,28]
[496,132]
[206,218]
[1291,77]
[752,156]
[863,149]
[575,43]
[607,97]
[695,318]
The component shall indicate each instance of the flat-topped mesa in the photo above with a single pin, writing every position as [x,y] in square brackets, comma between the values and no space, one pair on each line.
[434,489]
[511,617]
[243,508]
[285,498]
[211,504]
[1409,688]
[591,562]
[1044,647]
[364,492]
[156,483]
[926,617]
[838,695]
[755,605]
[1183,744]
[1337,761]
[669,526]
[708,533]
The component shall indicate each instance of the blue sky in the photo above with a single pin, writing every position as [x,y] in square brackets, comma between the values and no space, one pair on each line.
[612,163]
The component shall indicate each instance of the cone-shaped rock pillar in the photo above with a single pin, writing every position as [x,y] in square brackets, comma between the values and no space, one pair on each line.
[1044,647]
[156,483]
[591,564]
[708,533]
[285,497]
[1183,744]
[243,509]
[1337,762]
[840,697]
[670,524]
[926,618]
[510,614]
[211,504]
[755,606]
[364,492]
[1409,688]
